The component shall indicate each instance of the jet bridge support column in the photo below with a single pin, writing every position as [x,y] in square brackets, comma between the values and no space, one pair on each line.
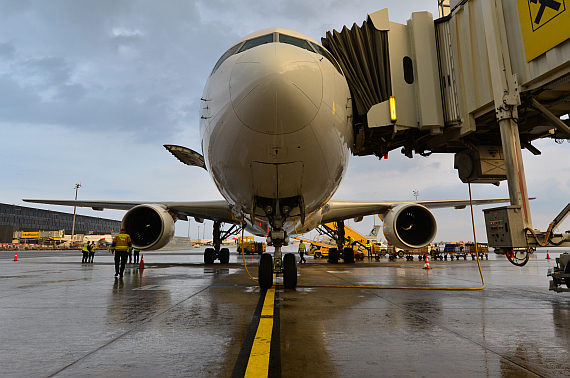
[506,99]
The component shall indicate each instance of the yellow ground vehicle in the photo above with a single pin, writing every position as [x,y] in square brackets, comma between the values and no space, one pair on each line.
[320,246]
[249,245]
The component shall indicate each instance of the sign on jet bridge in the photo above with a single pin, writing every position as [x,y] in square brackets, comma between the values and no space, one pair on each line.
[544,24]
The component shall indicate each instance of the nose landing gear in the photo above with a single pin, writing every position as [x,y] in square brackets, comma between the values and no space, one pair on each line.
[287,264]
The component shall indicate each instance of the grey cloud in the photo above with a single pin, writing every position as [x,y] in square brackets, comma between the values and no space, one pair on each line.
[15,99]
[7,50]
[50,70]
[71,92]
[10,7]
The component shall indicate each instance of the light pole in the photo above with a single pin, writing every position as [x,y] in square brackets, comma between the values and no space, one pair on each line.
[77,186]
[416,194]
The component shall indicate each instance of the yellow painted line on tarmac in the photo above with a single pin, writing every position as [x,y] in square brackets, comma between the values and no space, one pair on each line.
[258,365]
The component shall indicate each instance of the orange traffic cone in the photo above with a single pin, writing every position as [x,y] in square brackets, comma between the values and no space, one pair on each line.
[141,264]
[426,265]
[547,255]
[16,257]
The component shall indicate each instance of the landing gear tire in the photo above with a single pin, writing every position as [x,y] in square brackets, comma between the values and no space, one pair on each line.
[265,271]
[333,256]
[224,256]
[289,271]
[209,255]
[348,254]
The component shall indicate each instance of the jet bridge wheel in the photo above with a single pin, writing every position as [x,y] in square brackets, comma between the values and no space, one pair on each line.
[265,273]
[209,254]
[348,254]
[289,271]
[567,270]
[224,256]
[333,256]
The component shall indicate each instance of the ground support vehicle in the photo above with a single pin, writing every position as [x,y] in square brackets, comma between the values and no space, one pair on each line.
[250,246]
[483,249]
[560,273]
[463,250]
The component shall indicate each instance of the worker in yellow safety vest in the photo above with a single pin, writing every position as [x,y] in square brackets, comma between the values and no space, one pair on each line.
[136,255]
[92,249]
[302,252]
[85,251]
[369,247]
[121,246]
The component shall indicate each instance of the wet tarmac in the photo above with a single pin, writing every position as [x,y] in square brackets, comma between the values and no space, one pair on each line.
[180,318]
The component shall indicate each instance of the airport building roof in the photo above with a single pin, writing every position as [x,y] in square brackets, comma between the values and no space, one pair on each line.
[21,218]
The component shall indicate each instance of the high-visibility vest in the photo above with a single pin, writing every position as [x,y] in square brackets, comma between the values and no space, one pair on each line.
[85,247]
[122,242]
[301,247]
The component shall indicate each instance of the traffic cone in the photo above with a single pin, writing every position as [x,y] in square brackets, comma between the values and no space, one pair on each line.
[426,265]
[141,264]
[16,257]
[547,255]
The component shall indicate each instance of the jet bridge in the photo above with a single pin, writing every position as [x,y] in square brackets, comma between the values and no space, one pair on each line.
[483,81]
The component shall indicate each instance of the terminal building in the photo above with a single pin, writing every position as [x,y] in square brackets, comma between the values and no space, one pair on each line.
[15,218]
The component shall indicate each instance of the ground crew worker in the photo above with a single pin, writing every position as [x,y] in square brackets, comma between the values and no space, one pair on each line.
[369,247]
[121,245]
[92,249]
[136,255]
[85,251]
[130,255]
[302,252]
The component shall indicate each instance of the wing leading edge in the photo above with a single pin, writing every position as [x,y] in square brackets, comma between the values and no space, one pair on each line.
[213,210]
[341,210]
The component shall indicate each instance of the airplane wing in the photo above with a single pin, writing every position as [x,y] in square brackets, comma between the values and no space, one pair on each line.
[341,210]
[212,210]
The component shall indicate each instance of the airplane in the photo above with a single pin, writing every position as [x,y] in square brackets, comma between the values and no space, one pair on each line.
[276,131]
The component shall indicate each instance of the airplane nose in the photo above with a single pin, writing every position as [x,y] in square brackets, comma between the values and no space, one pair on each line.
[276,88]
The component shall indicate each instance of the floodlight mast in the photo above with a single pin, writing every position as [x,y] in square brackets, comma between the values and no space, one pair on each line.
[77,186]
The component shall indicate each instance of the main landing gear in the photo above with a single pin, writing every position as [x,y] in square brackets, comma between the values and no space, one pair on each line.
[223,254]
[338,234]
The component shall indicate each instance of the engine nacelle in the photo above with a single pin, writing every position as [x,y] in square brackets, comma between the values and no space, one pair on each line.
[409,226]
[150,226]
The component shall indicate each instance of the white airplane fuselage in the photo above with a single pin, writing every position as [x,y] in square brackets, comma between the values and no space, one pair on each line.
[276,124]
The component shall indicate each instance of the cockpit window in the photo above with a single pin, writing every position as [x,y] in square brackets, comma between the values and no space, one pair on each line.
[231,51]
[327,55]
[268,38]
[283,38]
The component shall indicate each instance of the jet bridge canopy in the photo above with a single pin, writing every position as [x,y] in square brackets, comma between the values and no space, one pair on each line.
[439,74]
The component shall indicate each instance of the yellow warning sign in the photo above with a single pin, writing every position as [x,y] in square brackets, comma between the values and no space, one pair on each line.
[544,24]
[30,235]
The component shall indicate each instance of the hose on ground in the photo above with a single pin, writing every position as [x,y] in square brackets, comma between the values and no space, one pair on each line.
[401,287]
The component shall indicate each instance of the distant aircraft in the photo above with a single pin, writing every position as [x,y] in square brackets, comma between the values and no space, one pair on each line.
[276,129]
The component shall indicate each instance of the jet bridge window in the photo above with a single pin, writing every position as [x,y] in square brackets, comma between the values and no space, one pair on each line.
[283,38]
[327,55]
[268,38]
[231,51]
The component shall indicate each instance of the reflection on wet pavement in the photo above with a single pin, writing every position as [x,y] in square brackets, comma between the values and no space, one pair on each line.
[180,318]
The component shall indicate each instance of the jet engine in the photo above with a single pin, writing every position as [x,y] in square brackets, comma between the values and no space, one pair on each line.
[409,226]
[150,226]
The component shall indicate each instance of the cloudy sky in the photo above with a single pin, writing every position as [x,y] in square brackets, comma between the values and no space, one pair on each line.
[90,91]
